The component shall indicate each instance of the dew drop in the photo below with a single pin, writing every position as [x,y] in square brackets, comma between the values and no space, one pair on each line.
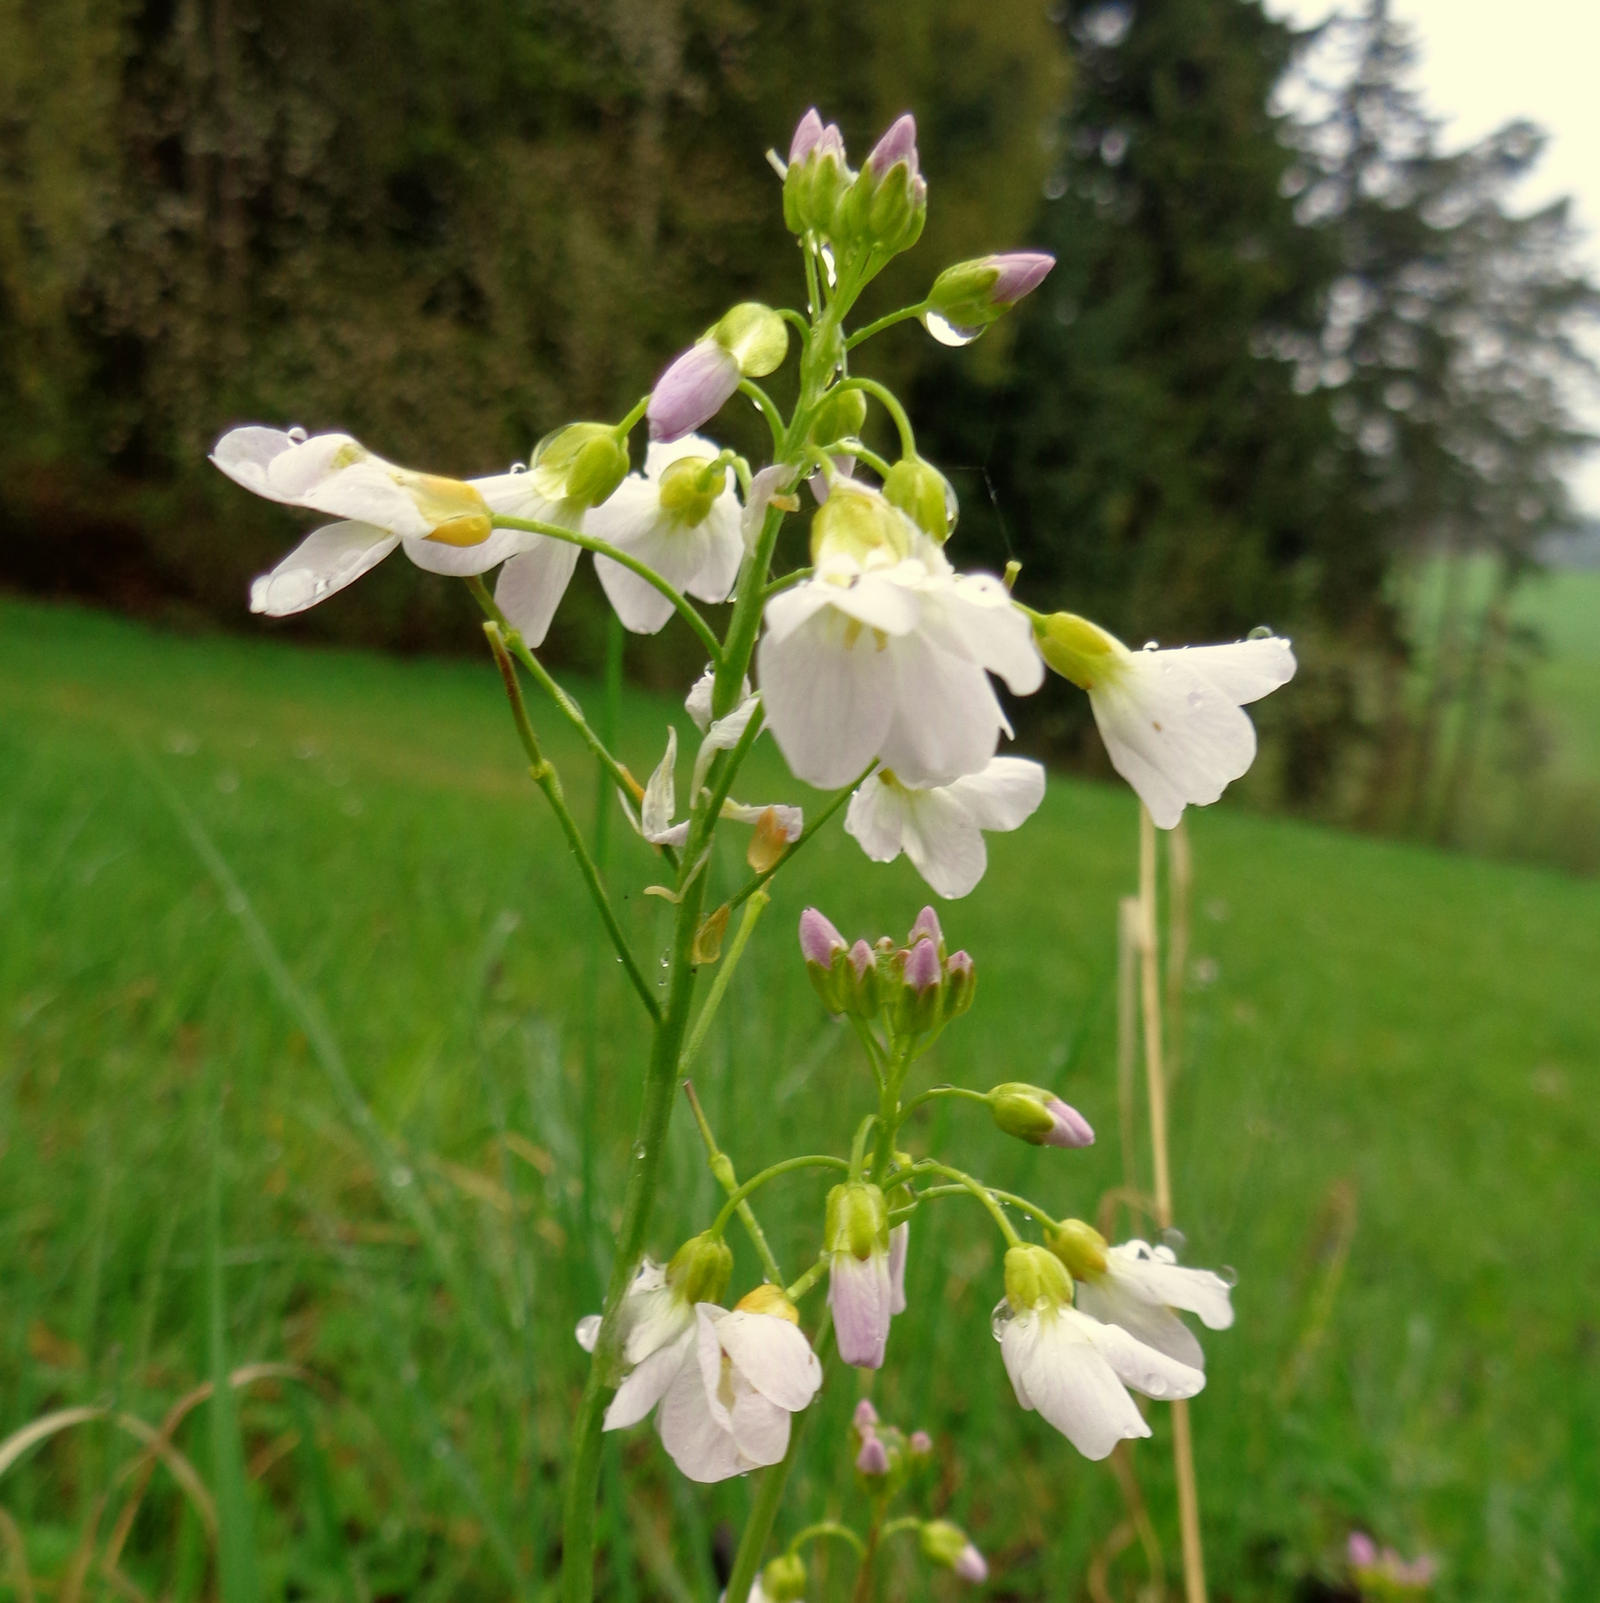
[1174,1240]
[829,269]
[639,1150]
[948,333]
[1000,1318]
[519,467]
[400,1177]
[1152,645]
[1228,1275]
[1260,632]
[298,435]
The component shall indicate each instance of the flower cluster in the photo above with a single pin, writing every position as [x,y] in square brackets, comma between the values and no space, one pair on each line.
[879,667]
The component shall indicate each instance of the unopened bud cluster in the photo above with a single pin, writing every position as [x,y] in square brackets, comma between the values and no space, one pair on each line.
[913,989]
[882,208]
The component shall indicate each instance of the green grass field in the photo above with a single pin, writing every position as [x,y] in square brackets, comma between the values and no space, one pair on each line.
[1386,1120]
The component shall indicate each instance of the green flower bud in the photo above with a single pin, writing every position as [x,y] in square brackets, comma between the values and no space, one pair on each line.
[886,206]
[856,1220]
[582,462]
[949,1547]
[1038,1116]
[1077,649]
[784,1578]
[917,1002]
[863,994]
[699,1269]
[755,336]
[689,488]
[816,176]
[1034,1276]
[960,984]
[924,494]
[839,416]
[1079,1246]
[969,296]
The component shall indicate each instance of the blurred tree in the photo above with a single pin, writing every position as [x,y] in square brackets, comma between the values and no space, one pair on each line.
[1148,456]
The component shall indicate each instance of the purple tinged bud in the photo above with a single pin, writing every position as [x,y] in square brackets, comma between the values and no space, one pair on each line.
[926,928]
[923,970]
[864,991]
[1362,1550]
[819,940]
[921,1443]
[862,959]
[865,1416]
[873,1459]
[1071,1128]
[970,1565]
[806,135]
[1021,272]
[692,389]
[899,143]
[960,981]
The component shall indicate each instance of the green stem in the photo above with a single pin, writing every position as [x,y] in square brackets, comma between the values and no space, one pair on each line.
[569,708]
[733,663]
[769,1493]
[764,404]
[801,1285]
[936,1091]
[811,1160]
[631,421]
[980,1191]
[882,323]
[823,1530]
[545,776]
[721,1166]
[590,542]
[787,582]
[1031,1208]
[906,1522]
[890,403]
[861,453]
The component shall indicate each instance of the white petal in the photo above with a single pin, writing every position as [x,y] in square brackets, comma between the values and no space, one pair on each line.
[876,817]
[946,720]
[899,1243]
[326,560]
[1197,1290]
[760,1428]
[701,1447]
[655,1318]
[458,561]
[588,1332]
[773,1355]
[829,697]
[1143,1368]
[973,616]
[532,584]
[698,702]
[1002,796]
[647,1384]
[770,481]
[273,464]
[1247,670]
[641,607]
[943,842]
[862,1299]
[655,812]
[1153,1324]
[873,600]
[1056,1371]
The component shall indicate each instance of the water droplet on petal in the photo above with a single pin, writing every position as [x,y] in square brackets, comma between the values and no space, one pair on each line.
[1152,645]
[828,267]
[946,332]
[1228,1275]
[1000,1318]
[298,435]
[1173,1241]
[1260,632]
[519,467]
[1197,699]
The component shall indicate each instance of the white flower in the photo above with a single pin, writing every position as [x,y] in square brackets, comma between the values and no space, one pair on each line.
[885,653]
[1138,1290]
[1171,720]
[940,827]
[1073,1369]
[728,1408]
[688,534]
[654,820]
[657,1327]
[443,524]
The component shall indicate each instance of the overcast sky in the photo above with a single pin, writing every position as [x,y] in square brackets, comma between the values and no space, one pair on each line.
[1483,62]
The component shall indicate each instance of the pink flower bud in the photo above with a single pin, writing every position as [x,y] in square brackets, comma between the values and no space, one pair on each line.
[926,928]
[923,970]
[873,1459]
[819,940]
[693,388]
[806,134]
[1070,1129]
[970,1565]
[1362,1550]
[1021,272]
[899,143]
[921,1443]
[865,1416]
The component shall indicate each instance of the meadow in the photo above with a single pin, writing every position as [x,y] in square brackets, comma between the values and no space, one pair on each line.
[310,1058]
